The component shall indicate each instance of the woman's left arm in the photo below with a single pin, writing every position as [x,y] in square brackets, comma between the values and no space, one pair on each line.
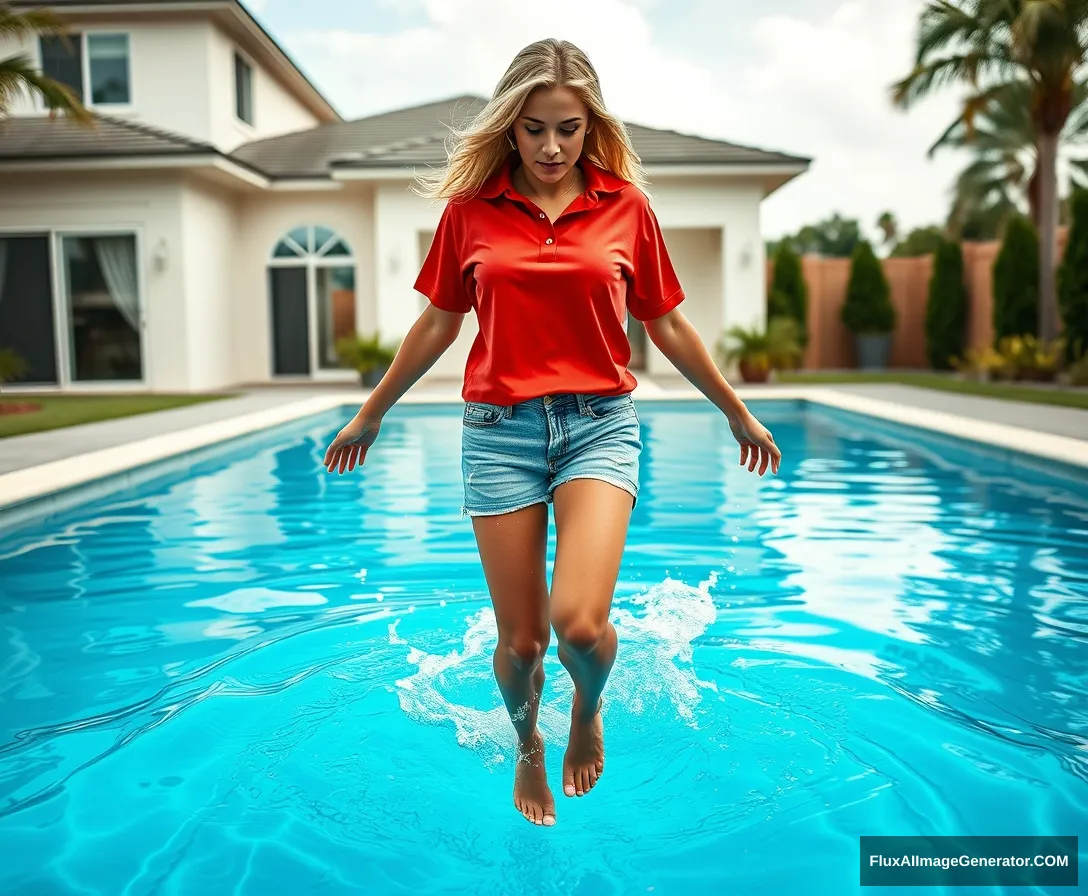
[679,341]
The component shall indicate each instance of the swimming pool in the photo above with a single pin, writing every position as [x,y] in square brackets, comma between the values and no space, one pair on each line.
[251,677]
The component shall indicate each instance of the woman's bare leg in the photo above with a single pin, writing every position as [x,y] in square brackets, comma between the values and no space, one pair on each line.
[591,518]
[512,549]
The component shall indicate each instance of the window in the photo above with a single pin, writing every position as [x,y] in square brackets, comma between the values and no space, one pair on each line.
[95,66]
[243,89]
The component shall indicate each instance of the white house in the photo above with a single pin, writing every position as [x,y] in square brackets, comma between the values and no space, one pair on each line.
[224,225]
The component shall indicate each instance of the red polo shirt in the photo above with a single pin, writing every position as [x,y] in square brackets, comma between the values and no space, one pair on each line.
[551,299]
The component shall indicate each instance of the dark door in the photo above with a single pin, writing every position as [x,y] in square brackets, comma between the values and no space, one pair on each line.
[290,321]
[26,305]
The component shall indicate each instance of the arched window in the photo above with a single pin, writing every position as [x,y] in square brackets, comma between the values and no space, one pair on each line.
[316,242]
[312,283]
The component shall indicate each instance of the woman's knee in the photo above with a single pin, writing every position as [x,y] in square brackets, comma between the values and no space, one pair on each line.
[579,632]
[525,648]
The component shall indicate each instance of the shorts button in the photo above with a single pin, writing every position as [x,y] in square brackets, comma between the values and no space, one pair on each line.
[547,399]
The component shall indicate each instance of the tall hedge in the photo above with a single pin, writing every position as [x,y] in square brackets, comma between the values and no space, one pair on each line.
[1016,280]
[868,308]
[789,292]
[1073,277]
[946,307]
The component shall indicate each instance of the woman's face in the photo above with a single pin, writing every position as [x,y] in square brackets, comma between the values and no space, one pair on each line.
[550,132]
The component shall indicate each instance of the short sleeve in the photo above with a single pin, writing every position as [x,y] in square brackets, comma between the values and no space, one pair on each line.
[654,288]
[441,278]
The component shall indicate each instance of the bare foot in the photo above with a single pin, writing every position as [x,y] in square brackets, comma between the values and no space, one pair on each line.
[583,762]
[532,795]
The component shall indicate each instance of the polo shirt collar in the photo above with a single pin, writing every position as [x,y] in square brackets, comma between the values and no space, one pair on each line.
[598,179]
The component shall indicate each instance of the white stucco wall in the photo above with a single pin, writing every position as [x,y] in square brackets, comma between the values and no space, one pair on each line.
[209,231]
[275,110]
[149,206]
[182,79]
[265,217]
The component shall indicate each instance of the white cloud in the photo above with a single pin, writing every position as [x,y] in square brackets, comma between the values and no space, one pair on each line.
[816,85]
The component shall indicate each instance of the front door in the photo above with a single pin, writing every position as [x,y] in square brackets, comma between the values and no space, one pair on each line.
[290,321]
[27,322]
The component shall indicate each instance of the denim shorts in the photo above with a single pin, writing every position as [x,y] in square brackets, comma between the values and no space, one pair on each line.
[513,456]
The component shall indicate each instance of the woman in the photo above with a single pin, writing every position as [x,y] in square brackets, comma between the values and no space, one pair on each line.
[549,238]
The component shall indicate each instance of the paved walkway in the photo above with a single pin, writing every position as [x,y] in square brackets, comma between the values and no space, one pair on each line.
[23,452]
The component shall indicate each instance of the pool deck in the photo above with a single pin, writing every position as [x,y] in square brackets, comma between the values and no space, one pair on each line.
[39,465]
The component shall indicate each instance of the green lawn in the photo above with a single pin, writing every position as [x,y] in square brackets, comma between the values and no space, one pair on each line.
[67,410]
[1065,397]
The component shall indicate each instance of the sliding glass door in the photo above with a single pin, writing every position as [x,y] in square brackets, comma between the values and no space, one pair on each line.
[102,320]
[27,319]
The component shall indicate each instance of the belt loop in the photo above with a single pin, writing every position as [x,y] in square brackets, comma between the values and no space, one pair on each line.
[581,403]
[508,411]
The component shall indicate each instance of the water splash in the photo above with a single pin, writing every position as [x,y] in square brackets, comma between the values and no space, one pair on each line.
[654,671]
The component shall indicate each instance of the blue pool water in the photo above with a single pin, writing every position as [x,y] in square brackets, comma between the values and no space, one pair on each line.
[250,677]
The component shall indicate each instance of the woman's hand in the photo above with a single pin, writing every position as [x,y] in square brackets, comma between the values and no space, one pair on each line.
[756,443]
[352,443]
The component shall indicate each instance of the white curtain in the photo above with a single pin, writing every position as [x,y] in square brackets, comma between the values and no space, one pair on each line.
[117,259]
[3,265]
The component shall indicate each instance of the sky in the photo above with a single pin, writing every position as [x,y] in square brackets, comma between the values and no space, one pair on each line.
[806,77]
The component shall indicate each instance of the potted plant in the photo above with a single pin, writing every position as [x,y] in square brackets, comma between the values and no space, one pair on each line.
[757,352]
[367,355]
[868,311]
[12,367]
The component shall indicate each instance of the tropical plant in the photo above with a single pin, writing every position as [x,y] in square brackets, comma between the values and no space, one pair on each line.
[868,308]
[18,73]
[758,351]
[889,227]
[1002,178]
[365,354]
[1073,275]
[1016,280]
[789,291]
[989,44]
[12,365]
[946,307]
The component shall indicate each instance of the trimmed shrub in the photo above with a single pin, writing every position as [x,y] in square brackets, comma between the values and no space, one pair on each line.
[1016,281]
[789,292]
[868,308]
[1073,279]
[946,307]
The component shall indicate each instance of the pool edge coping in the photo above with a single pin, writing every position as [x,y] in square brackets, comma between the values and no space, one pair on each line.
[28,488]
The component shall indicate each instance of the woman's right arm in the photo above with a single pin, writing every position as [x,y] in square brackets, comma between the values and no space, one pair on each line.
[429,337]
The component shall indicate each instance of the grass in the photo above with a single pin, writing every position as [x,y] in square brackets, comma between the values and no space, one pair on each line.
[1063,397]
[58,411]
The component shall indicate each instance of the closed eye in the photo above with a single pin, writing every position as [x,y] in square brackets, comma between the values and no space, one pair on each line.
[570,132]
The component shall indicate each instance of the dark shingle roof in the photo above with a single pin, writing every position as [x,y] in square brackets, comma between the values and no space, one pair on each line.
[40,137]
[416,136]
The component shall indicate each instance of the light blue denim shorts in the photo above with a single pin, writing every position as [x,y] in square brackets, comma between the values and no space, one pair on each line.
[513,456]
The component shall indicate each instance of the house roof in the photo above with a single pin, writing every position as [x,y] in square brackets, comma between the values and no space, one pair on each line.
[416,136]
[231,13]
[39,137]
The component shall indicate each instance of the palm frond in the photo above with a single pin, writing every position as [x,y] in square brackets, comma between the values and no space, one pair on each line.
[971,67]
[941,24]
[16,26]
[18,74]
[1078,170]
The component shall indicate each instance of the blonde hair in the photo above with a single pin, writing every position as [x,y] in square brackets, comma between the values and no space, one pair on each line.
[475,152]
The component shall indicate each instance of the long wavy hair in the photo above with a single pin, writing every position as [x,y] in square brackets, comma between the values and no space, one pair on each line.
[475,151]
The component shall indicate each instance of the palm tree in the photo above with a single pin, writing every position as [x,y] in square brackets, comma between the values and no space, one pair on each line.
[18,74]
[889,227]
[990,44]
[1004,176]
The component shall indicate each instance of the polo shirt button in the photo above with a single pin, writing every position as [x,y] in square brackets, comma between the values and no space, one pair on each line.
[542,214]
[548,241]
